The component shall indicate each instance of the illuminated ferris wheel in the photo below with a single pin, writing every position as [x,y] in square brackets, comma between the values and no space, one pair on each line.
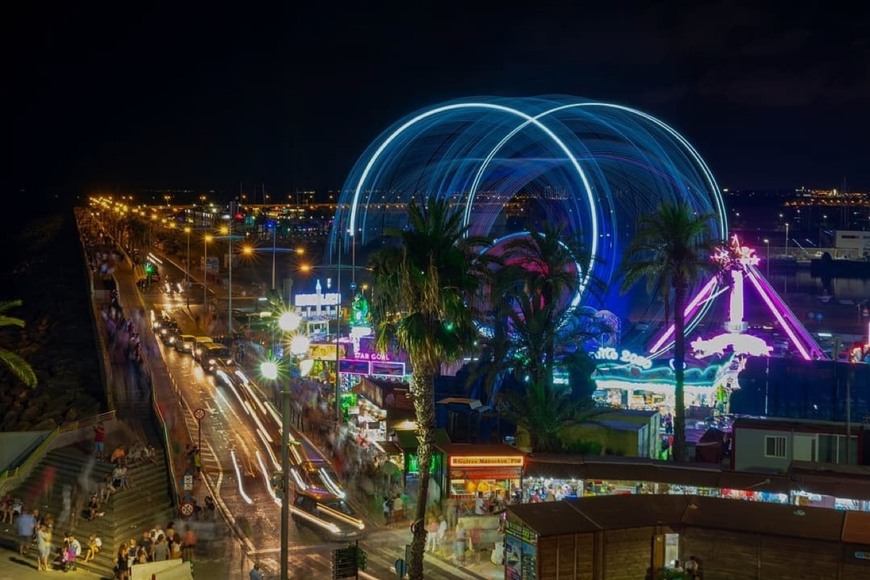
[509,164]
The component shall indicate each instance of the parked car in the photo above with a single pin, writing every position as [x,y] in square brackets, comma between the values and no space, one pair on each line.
[327,515]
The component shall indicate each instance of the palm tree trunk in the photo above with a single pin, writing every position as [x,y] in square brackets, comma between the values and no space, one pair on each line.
[679,373]
[422,391]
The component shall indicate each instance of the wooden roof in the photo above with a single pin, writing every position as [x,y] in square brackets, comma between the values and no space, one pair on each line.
[590,514]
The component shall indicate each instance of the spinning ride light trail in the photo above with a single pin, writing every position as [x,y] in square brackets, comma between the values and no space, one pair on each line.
[744,266]
[508,164]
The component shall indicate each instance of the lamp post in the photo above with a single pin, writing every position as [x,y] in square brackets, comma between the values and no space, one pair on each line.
[205,241]
[288,322]
[187,269]
[274,231]
[338,335]
[786,240]
[229,232]
[767,243]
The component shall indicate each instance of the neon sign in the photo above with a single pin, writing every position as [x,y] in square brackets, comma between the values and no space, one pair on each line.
[371,356]
[328,299]
[486,461]
[609,353]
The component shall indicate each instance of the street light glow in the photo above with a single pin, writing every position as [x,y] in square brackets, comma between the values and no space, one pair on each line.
[289,321]
[269,369]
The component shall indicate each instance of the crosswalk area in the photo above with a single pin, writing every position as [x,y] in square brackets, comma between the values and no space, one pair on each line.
[315,562]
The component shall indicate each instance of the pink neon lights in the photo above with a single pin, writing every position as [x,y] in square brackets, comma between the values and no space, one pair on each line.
[782,322]
[690,310]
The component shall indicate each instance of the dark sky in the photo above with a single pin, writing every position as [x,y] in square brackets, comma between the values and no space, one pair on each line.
[151,95]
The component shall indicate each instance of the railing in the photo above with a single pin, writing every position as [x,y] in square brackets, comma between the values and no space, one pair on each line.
[20,472]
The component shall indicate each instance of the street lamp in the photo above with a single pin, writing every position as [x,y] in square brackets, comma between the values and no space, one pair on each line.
[229,231]
[288,322]
[205,242]
[274,231]
[187,269]
[786,240]
[767,243]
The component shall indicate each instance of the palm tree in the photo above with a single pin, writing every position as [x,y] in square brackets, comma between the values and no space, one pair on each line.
[19,367]
[536,331]
[671,250]
[424,292]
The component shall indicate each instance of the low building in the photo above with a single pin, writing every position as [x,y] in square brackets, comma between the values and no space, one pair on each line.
[616,538]
[761,444]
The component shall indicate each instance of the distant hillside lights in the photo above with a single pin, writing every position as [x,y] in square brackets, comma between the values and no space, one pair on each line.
[608,353]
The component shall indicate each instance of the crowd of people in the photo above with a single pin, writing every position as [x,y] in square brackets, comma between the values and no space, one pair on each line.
[35,530]
[155,545]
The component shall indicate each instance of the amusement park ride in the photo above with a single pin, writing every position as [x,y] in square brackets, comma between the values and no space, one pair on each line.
[716,361]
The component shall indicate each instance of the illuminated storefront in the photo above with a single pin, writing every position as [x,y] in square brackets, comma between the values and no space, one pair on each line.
[554,479]
[491,471]
[379,405]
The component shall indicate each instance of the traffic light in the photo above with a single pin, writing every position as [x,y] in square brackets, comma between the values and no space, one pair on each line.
[149,268]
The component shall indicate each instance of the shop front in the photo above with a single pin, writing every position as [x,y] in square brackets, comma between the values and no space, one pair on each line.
[481,477]
[377,405]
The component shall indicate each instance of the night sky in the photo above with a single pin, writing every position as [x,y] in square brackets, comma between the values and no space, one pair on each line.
[125,96]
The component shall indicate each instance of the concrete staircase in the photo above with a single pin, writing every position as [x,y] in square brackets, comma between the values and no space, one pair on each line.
[128,513]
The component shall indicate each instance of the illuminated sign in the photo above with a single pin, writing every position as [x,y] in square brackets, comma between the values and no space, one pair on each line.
[330,299]
[322,351]
[371,356]
[609,353]
[389,369]
[486,461]
[349,366]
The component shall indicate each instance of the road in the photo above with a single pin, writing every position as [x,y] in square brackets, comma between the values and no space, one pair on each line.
[241,450]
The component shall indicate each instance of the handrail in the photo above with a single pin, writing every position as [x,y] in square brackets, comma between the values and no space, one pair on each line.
[40,450]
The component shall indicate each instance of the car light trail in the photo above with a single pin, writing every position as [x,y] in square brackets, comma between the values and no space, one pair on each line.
[331,484]
[266,480]
[239,479]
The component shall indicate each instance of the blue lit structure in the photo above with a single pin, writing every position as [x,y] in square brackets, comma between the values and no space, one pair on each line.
[509,163]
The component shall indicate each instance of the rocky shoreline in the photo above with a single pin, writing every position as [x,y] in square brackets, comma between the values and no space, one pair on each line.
[44,267]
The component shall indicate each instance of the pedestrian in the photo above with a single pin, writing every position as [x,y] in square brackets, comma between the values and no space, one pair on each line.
[388,510]
[188,544]
[255,573]
[432,536]
[99,440]
[693,569]
[43,547]
[197,462]
[25,525]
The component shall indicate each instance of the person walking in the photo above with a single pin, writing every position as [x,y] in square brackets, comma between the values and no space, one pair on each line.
[188,545]
[99,440]
[25,525]
[388,510]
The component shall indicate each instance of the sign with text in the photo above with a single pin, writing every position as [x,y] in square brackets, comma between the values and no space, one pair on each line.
[608,353]
[486,461]
[325,351]
[328,299]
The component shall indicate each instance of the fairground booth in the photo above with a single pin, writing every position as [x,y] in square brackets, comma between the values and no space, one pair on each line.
[650,537]
[492,471]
